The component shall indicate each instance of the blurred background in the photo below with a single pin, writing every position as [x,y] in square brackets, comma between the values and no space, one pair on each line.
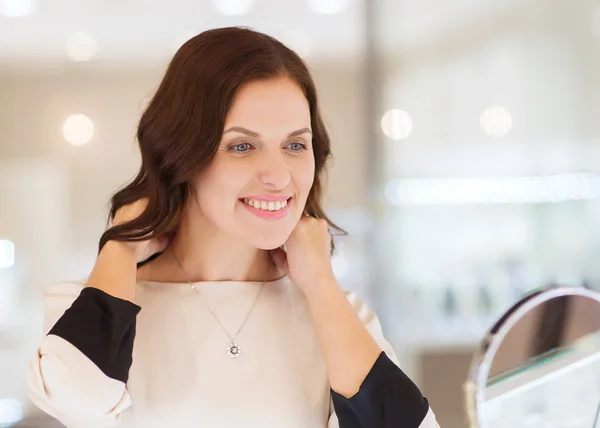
[465,135]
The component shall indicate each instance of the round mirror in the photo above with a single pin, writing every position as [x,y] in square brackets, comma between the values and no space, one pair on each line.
[539,365]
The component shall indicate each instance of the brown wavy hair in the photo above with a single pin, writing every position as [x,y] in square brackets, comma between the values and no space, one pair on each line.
[181,128]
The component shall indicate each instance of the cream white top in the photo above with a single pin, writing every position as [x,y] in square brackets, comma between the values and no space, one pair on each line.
[181,373]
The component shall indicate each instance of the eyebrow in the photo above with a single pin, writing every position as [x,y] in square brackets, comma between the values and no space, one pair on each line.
[245,131]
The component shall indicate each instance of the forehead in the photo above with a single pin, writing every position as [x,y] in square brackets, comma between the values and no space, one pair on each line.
[273,104]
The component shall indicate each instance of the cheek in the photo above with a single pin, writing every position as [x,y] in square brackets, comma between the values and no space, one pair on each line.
[211,189]
[220,188]
[304,176]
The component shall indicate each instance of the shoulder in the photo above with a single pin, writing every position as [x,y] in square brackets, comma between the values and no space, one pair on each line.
[368,317]
[371,322]
[364,312]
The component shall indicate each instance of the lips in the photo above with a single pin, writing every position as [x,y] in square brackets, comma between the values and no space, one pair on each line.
[267,210]
[265,205]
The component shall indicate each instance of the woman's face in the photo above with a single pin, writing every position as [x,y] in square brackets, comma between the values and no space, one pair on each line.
[257,184]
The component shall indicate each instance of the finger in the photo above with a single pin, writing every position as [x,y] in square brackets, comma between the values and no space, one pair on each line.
[159,244]
[279,257]
[164,243]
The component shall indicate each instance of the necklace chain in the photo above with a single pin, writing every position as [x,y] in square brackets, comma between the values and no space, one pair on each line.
[233,349]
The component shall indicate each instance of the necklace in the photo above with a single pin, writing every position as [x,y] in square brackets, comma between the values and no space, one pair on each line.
[233,350]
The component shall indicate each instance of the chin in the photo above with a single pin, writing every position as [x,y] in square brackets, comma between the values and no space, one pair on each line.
[269,244]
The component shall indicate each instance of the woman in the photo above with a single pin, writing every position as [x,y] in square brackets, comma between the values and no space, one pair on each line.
[222,325]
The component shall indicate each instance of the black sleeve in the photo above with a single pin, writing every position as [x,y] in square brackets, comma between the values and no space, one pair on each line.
[387,398]
[102,327]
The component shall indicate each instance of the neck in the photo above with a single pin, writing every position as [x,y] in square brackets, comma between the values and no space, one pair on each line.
[208,254]
[218,257]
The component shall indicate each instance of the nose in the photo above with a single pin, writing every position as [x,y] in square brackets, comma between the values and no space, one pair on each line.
[274,171]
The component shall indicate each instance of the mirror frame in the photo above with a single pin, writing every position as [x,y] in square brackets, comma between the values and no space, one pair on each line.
[486,350]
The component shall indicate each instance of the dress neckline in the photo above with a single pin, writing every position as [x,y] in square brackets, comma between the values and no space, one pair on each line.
[211,283]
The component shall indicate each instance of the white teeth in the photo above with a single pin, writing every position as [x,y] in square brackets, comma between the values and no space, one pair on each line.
[266,205]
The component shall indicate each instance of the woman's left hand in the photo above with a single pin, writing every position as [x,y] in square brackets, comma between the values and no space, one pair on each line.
[307,256]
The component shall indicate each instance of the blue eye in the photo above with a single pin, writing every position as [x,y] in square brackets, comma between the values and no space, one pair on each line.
[240,148]
[297,147]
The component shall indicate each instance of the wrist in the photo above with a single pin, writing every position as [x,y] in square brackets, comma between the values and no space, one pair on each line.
[123,248]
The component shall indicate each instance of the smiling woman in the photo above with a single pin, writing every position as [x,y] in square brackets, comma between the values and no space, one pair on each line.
[265,154]
[194,313]
[254,91]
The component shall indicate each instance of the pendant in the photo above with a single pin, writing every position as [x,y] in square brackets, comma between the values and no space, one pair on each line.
[233,350]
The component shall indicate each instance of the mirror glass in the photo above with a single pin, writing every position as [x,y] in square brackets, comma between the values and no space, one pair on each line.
[540,365]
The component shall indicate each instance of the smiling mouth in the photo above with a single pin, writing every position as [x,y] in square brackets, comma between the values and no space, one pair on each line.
[268,206]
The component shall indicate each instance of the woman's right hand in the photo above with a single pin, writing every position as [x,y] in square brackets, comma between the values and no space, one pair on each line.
[142,249]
